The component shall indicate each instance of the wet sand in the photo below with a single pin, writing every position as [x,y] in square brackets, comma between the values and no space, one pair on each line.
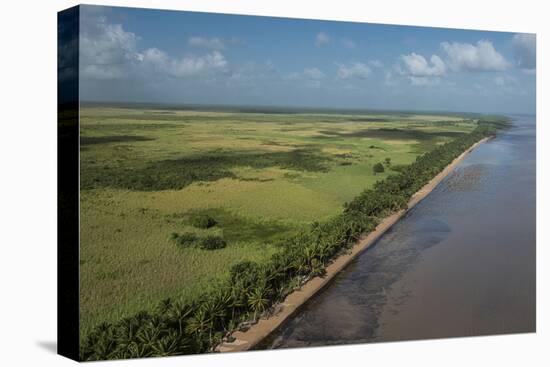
[249,339]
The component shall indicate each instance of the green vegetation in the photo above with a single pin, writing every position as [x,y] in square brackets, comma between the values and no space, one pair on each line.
[112,139]
[209,242]
[212,242]
[186,239]
[247,186]
[202,220]
[378,168]
[251,288]
[206,166]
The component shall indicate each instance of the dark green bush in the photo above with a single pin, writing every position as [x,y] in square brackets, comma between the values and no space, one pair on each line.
[245,273]
[186,239]
[378,168]
[212,243]
[203,221]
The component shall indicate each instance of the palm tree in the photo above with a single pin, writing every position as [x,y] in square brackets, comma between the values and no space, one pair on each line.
[178,313]
[100,344]
[197,325]
[214,307]
[167,345]
[164,306]
[257,300]
[137,350]
[126,334]
[150,333]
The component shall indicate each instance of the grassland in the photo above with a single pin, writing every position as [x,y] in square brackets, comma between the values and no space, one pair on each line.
[146,172]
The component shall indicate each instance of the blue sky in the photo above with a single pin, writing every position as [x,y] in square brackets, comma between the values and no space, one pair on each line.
[142,55]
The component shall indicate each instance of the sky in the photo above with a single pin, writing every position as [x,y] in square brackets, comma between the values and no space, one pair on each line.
[159,56]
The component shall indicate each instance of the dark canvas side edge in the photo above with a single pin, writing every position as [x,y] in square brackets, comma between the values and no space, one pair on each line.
[68,26]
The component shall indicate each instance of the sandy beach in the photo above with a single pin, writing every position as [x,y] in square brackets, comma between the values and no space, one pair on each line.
[250,338]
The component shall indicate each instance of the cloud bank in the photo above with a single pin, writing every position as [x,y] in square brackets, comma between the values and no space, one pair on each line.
[417,66]
[354,70]
[110,52]
[479,57]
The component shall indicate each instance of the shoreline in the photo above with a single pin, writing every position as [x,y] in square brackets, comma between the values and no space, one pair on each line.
[246,340]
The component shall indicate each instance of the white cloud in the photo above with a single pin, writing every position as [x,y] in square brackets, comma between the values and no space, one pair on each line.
[525,50]
[417,66]
[110,52]
[479,57]
[187,66]
[105,49]
[321,39]
[348,43]
[419,71]
[354,70]
[313,73]
[208,43]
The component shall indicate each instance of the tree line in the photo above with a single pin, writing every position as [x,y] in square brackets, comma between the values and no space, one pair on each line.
[252,289]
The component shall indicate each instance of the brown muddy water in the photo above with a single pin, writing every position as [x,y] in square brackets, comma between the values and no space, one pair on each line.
[461,263]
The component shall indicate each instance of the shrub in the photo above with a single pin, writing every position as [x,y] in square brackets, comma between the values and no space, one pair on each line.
[203,221]
[186,239]
[247,273]
[212,243]
[378,168]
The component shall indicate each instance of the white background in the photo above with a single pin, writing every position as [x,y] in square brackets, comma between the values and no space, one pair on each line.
[28,182]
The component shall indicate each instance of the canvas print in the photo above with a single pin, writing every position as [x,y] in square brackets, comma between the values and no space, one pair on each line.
[231,183]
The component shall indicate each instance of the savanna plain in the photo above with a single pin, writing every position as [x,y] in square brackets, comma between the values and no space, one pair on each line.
[172,198]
